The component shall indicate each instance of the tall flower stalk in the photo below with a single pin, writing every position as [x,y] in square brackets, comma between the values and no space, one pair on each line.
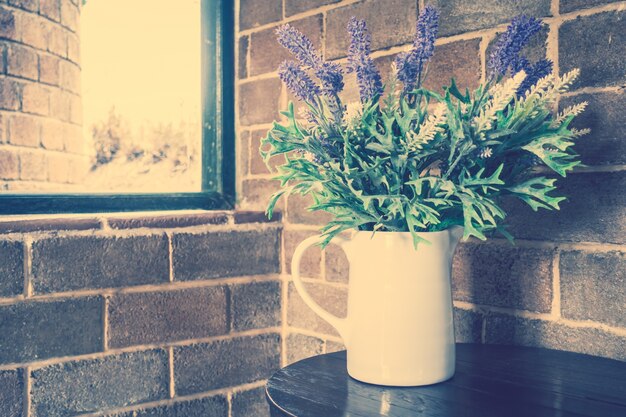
[360,62]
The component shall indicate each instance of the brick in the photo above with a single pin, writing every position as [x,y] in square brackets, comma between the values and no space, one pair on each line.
[10,92]
[33,166]
[503,275]
[311,260]
[259,101]
[605,144]
[84,262]
[225,363]
[256,305]
[24,131]
[210,255]
[73,48]
[60,105]
[170,221]
[298,212]
[509,330]
[459,60]
[242,64]
[337,264]
[458,16]
[69,15]
[48,70]
[333,299]
[571,5]
[3,129]
[11,392]
[59,168]
[594,44]
[256,194]
[380,15]
[243,153]
[332,347]
[253,13]
[43,225]
[22,62]
[50,9]
[35,99]
[73,140]
[9,165]
[467,326]
[30,5]
[214,406]
[594,211]
[243,217]
[49,329]
[76,110]
[11,268]
[257,165]
[167,316]
[35,31]
[69,76]
[56,40]
[8,27]
[299,6]
[300,346]
[52,135]
[250,403]
[266,53]
[100,384]
[593,286]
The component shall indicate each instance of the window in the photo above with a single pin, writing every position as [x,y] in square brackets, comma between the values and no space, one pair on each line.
[157,112]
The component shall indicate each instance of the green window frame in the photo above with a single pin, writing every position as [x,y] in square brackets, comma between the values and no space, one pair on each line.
[218,140]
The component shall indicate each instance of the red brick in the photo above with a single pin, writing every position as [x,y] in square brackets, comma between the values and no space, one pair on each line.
[10,92]
[22,62]
[256,194]
[73,48]
[170,221]
[52,134]
[69,15]
[56,40]
[24,131]
[298,213]
[58,168]
[33,166]
[332,298]
[30,5]
[50,9]
[9,165]
[73,139]
[69,76]
[34,31]
[337,265]
[259,101]
[459,60]
[60,102]
[8,27]
[257,165]
[254,13]
[35,99]
[49,69]
[310,265]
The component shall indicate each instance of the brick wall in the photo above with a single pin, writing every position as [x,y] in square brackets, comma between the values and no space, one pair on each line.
[41,142]
[139,316]
[563,285]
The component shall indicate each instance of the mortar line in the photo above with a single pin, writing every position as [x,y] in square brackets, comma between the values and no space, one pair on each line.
[26,393]
[170,360]
[312,333]
[556,285]
[229,401]
[170,255]
[28,262]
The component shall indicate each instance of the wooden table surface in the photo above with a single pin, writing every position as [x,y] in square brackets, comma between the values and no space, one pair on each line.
[490,381]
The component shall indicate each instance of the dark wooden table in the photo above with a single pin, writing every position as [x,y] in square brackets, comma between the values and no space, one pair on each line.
[490,381]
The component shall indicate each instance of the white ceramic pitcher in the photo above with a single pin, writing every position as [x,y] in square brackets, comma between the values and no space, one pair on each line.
[399,328]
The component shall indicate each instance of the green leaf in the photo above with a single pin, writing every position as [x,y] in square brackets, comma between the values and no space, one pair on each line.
[534,192]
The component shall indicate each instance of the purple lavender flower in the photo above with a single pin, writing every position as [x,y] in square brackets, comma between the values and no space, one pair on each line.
[534,73]
[298,81]
[505,55]
[411,65]
[359,61]
[329,73]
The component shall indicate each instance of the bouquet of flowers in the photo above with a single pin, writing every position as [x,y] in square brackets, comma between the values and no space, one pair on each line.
[409,159]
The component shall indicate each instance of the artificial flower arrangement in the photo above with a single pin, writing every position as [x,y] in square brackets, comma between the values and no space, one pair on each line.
[410,159]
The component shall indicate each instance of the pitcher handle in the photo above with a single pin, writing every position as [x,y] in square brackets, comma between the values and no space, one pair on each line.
[338,323]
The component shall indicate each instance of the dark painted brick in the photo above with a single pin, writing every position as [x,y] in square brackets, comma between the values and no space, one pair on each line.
[594,212]
[300,346]
[256,305]
[31,5]
[458,16]
[503,275]
[266,54]
[298,6]
[571,5]
[242,217]
[380,15]
[254,13]
[595,44]
[44,225]
[225,363]
[259,101]
[459,60]
[72,263]
[47,329]
[337,264]
[174,220]
[215,406]
[509,330]
[167,316]
[99,384]
[310,265]
[334,299]
[606,144]
[214,255]
[298,213]
[11,268]
[11,393]
[468,326]
[243,57]
[593,286]
[256,194]
[250,403]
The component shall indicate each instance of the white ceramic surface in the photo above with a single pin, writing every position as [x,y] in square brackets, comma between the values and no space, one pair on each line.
[399,328]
